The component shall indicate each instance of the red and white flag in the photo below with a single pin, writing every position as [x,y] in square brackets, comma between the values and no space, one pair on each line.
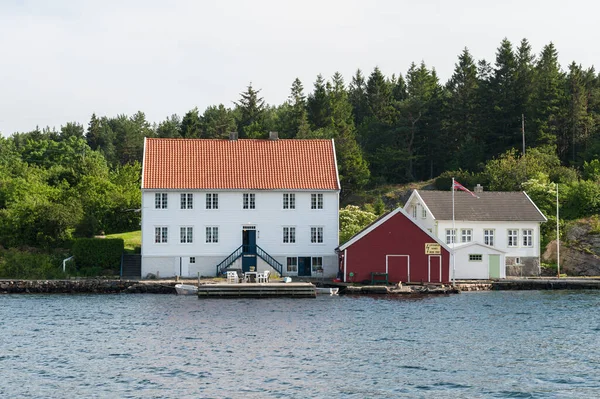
[459,186]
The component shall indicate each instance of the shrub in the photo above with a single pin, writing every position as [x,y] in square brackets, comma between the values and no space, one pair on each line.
[26,265]
[98,253]
[464,177]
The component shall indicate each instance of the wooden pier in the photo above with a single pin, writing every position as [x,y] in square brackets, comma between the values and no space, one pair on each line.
[258,290]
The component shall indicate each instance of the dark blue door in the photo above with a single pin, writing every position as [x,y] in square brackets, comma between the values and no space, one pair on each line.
[249,250]
[304,266]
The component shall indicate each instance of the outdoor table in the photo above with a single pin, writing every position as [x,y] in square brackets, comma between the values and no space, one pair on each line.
[250,277]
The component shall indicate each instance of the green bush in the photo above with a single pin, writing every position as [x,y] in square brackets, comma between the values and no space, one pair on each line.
[17,264]
[98,253]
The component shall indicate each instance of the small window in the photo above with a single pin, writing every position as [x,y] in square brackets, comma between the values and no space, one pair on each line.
[466,235]
[528,238]
[160,201]
[513,238]
[212,235]
[517,261]
[249,201]
[289,201]
[289,235]
[475,257]
[187,201]
[186,235]
[192,259]
[160,235]
[292,265]
[316,201]
[317,264]
[212,201]
[316,235]
[423,212]
[450,236]
[414,211]
[488,237]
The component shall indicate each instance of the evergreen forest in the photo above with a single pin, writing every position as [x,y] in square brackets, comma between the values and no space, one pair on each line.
[519,122]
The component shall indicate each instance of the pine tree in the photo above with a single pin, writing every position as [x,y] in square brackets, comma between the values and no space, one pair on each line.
[298,113]
[217,122]
[251,109]
[318,105]
[379,97]
[357,95]
[191,126]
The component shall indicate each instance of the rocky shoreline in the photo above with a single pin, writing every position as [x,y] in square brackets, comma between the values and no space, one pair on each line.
[89,286]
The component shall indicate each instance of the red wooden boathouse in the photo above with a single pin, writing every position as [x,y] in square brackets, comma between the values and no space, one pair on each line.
[394,244]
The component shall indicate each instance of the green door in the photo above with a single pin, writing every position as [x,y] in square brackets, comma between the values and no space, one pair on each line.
[494,265]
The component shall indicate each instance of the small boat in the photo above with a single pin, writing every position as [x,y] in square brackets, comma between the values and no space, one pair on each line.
[327,291]
[186,289]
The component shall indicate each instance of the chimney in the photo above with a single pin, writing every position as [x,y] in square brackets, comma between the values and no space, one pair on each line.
[273,136]
[478,188]
[233,136]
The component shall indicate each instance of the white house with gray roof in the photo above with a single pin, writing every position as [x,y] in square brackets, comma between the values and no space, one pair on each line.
[506,225]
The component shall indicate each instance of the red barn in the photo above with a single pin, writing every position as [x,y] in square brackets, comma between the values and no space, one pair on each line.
[396,245]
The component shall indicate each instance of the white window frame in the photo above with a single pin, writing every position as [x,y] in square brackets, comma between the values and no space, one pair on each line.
[450,236]
[475,257]
[316,235]
[161,200]
[186,235]
[527,237]
[512,238]
[316,201]
[161,234]
[211,234]
[414,211]
[291,264]
[289,234]
[423,213]
[466,235]
[248,201]
[489,237]
[289,201]
[186,201]
[212,201]
[316,264]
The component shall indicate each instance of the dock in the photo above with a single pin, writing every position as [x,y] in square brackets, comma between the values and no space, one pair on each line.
[258,290]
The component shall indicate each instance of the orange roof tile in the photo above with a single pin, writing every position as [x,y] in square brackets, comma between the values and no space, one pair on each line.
[239,164]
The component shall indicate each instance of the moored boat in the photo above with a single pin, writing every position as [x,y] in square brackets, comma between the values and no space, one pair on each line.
[186,289]
[327,291]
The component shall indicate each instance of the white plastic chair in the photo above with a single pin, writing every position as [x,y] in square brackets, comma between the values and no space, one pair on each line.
[263,277]
[232,278]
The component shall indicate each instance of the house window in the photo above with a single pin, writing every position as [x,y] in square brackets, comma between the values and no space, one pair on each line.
[317,264]
[475,257]
[161,234]
[249,201]
[289,201]
[186,235]
[414,211]
[212,234]
[292,265]
[423,212]
[212,201]
[517,261]
[187,201]
[513,238]
[192,259]
[488,237]
[450,236]
[316,235]
[316,201]
[289,235]
[160,201]
[466,235]
[528,238]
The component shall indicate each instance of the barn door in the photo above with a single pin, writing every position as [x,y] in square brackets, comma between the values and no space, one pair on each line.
[398,268]
[435,268]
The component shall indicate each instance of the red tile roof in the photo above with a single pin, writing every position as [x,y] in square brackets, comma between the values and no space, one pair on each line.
[239,164]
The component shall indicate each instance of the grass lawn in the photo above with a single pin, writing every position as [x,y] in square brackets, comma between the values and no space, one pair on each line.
[132,239]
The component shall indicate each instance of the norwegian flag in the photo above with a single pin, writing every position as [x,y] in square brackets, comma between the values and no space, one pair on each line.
[458,186]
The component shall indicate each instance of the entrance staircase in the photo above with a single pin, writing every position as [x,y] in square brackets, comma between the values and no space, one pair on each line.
[249,249]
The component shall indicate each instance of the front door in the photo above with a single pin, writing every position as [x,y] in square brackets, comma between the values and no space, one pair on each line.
[398,268]
[248,249]
[494,266]
[435,268]
[304,266]
[184,266]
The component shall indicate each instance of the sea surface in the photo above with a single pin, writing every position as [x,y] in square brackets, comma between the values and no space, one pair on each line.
[530,344]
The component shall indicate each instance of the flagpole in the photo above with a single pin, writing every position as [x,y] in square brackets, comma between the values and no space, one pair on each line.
[557,236]
[453,235]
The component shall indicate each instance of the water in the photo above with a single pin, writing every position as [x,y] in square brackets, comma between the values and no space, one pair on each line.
[473,345]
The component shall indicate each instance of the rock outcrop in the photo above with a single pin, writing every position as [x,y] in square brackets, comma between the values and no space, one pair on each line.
[579,252]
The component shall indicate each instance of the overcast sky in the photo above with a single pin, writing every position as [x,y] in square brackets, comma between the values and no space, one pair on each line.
[63,60]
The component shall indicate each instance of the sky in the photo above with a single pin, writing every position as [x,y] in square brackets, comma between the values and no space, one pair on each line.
[62,60]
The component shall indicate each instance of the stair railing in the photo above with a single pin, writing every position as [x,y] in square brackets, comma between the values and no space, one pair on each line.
[229,260]
[270,260]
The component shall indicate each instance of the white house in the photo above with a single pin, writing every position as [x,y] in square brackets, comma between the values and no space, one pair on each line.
[506,221]
[209,205]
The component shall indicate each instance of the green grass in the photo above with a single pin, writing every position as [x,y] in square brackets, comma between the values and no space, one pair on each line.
[132,240]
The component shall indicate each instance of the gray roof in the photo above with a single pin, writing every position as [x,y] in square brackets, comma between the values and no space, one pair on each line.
[490,206]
